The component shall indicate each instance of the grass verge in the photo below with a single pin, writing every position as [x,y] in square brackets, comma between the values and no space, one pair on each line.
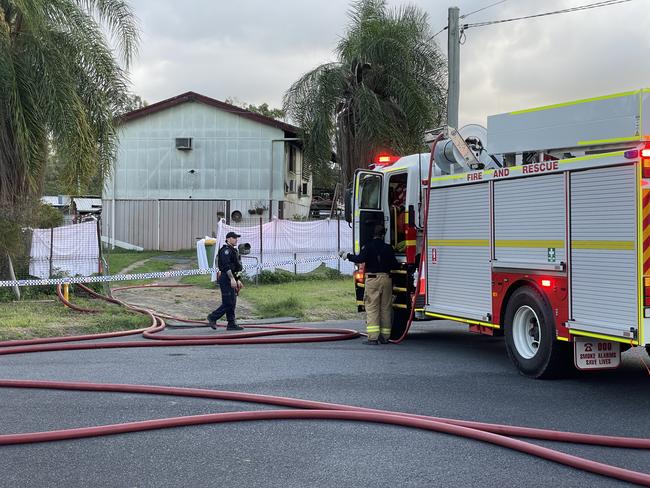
[306,300]
[49,318]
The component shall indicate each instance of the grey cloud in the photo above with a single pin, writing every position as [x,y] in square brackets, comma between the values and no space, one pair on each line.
[253,50]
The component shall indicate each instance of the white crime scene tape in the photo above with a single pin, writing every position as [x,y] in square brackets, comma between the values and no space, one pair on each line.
[158,274]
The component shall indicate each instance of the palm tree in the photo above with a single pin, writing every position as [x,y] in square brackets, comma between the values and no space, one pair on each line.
[60,86]
[385,90]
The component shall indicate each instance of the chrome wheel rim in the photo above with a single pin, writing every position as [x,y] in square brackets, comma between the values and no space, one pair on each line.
[526,332]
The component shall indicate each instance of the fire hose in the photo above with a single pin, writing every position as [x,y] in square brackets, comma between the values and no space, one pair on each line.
[496,434]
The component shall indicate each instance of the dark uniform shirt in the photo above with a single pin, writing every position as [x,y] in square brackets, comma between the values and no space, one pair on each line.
[378,256]
[229,259]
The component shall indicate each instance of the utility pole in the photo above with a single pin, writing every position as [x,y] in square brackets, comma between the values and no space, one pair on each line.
[453,67]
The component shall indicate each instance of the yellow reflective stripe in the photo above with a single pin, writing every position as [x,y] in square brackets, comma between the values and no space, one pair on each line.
[604,245]
[411,243]
[406,218]
[459,242]
[386,331]
[400,289]
[564,339]
[592,156]
[372,328]
[646,253]
[399,305]
[576,102]
[460,319]
[640,262]
[393,169]
[560,161]
[529,243]
[449,177]
[359,302]
[603,336]
[609,141]
[361,285]
[398,271]
[357,213]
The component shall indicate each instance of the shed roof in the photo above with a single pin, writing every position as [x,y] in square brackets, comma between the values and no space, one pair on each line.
[197,97]
[88,204]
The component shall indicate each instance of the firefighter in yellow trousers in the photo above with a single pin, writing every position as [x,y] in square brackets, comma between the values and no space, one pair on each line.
[379,259]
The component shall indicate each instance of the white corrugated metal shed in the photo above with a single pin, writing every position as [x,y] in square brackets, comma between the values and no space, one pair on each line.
[56,201]
[86,205]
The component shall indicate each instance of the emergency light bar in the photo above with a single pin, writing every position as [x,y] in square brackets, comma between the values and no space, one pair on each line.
[385,159]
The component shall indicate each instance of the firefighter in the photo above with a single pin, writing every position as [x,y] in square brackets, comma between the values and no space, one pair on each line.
[379,259]
[230,267]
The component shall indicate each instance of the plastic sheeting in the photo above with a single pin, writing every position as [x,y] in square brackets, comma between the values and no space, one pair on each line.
[73,249]
[281,241]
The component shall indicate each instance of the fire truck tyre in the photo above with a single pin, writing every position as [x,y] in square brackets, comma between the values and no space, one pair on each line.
[530,336]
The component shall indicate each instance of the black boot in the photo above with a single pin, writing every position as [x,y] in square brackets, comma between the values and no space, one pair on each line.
[233,326]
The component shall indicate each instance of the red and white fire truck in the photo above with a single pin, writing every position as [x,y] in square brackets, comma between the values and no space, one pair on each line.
[537,228]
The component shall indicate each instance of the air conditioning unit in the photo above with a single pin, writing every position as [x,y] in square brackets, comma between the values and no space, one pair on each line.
[184,143]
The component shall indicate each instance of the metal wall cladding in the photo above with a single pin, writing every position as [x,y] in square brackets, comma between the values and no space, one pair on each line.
[135,222]
[604,273]
[530,220]
[165,225]
[231,157]
[459,282]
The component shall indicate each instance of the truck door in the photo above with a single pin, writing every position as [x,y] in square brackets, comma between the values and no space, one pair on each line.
[368,211]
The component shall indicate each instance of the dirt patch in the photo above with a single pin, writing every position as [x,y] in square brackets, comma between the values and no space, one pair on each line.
[188,302]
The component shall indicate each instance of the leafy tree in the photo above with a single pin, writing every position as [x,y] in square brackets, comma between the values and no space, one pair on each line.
[61,84]
[386,88]
[133,102]
[262,109]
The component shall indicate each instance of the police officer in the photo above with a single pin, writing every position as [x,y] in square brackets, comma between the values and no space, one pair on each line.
[230,267]
[379,258]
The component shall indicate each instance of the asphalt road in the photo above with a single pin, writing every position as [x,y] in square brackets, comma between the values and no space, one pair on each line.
[441,370]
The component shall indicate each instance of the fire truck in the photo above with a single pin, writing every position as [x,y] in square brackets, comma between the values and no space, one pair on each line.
[536,228]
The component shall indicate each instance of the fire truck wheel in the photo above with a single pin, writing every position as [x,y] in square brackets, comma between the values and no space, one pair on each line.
[530,336]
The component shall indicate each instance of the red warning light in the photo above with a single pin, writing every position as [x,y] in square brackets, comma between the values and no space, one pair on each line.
[385,159]
[546,283]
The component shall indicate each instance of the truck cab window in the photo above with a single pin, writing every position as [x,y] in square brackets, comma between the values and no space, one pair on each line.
[370,192]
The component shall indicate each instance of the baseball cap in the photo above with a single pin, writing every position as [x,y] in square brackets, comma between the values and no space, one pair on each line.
[232,234]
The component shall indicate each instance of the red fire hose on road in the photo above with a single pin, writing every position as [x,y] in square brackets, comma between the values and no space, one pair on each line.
[492,433]
[321,411]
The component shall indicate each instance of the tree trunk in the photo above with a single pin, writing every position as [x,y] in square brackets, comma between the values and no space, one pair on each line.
[12,275]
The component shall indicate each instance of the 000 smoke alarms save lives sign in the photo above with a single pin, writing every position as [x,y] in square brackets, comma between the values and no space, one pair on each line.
[595,354]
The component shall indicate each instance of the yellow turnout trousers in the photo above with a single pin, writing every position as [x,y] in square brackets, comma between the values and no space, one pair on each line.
[378,300]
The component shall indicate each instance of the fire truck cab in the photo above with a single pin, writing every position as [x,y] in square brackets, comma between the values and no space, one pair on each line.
[542,235]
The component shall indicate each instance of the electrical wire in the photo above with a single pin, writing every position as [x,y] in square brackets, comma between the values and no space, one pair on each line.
[555,12]
[481,9]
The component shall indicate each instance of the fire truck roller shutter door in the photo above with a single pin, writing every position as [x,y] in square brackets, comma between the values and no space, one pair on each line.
[530,220]
[459,283]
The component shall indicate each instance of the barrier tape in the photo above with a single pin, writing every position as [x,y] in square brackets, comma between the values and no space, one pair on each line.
[158,274]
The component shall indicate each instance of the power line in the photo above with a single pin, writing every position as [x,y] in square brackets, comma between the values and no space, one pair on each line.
[439,32]
[555,12]
[481,9]
[467,15]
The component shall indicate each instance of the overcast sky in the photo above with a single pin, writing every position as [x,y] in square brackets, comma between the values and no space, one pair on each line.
[253,50]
